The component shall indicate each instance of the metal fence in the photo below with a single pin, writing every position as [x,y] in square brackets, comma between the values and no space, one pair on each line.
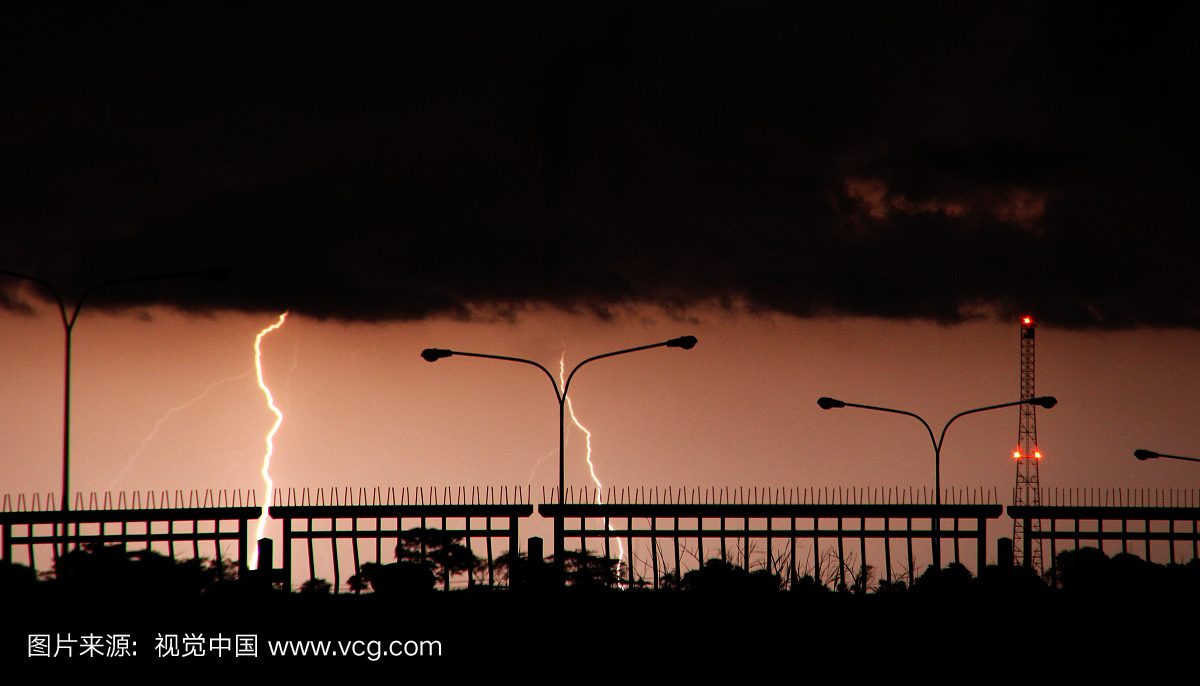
[762,528]
[1136,518]
[178,519]
[479,517]
[657,534]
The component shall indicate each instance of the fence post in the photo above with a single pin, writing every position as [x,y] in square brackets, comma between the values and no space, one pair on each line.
[243,544]
[1004,552]
[981,546]
[265,573]
[514,544]
[1027,548]
[560,547]
[287,552]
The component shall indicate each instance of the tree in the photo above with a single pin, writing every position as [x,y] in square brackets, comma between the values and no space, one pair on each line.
[316,587]
[860,582]
[721,575]
[954,579]
[807,584]
[582,569]
[519,571]
[444,555]
[358,583]
[1085,570]
[96,568]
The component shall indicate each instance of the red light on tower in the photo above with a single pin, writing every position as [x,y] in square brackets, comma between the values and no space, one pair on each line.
[1017,454]
[1027,321]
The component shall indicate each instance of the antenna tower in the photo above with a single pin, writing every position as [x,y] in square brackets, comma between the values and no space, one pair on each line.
[1028,490]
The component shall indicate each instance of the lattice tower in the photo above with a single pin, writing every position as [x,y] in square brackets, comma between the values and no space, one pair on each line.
[1028,490]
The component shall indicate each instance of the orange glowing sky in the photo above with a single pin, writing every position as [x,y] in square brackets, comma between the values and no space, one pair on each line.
[361,408]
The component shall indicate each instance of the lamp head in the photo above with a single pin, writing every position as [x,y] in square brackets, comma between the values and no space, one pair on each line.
[829,403]
[435,354]
[1144,455]
[1047,401]
[685,342]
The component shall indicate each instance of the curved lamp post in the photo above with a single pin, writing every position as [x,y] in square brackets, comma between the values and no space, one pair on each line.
[435,354]
[830,403]
[217,275]
[1144,455]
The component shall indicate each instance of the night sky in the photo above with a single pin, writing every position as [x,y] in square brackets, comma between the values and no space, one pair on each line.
[857,201]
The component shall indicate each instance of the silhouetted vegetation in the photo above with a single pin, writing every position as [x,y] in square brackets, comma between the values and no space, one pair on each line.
[955,578]
[316,587]
[584,570]
[424,557]
[1088,571]
[808,584]
[861,579]
[96,568]
[519,571]
[718,575]
[428,558]
[444,555]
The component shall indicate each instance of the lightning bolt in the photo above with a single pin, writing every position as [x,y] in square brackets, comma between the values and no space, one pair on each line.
[562,370]
[537,464]
[262,520]
[165,417]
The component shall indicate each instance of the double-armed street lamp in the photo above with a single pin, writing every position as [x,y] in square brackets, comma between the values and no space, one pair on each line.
[435,354]
[1144,455]
[217,275]
[1046,402]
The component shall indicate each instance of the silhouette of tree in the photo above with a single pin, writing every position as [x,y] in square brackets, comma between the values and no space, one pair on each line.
[954,579]
[723,576]
[1132,574]
[860,581]
[357,583]
[1089,571]
[584,570]
[716,575]
[808,584]
[96,568]
[1086,570]
[518,571]
[444,555]
[316,587]
[894,586]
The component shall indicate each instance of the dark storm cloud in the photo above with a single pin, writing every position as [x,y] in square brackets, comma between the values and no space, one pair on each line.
[935,161]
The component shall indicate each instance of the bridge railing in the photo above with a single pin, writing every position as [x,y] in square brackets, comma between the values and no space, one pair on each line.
[1159,525]
[771,531]
[179,522]
[487,520]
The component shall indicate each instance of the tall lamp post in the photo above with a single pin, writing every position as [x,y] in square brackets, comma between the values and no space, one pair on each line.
[1144,455]
[830,403]
[217,275]
[435,354]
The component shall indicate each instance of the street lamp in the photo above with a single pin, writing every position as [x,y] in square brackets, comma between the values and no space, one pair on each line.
[435,354]
[1144,455]
[217,275]
[830,404]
